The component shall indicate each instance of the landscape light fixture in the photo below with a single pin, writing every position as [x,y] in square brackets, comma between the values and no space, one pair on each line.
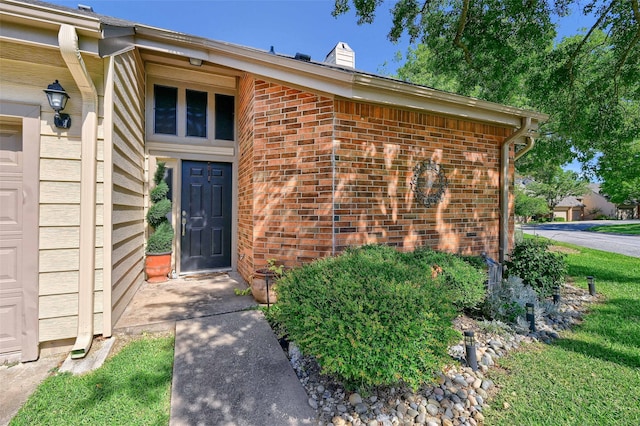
[556,294]
[592,285]
[531,317]
[57,97]
[470,348]
[266,280]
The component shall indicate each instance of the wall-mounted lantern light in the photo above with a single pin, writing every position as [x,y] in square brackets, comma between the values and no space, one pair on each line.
[57,97]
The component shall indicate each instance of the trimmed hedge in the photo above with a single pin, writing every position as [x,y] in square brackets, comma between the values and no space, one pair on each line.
[372,316]
[463,280]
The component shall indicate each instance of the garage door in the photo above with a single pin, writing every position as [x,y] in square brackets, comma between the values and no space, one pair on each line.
[18,245]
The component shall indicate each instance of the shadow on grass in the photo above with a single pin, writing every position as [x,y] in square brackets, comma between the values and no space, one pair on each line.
[603,272]
[630,359]
[615,327]
[142,389]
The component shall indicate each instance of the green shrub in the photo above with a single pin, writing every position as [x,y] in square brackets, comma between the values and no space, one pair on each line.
[476,261]
[157,213]
[161,240]
[464,282]
[559,219]
[538,267]
[159,192]
[368,316]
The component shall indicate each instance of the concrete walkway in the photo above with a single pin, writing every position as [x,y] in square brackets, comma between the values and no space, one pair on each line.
[229,368]
[18,382]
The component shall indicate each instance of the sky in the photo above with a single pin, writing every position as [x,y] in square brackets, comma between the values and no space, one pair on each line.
[290,26]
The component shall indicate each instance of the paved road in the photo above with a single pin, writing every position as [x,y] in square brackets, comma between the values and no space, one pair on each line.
[574,233]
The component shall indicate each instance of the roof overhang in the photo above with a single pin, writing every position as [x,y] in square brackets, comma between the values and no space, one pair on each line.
[37,23]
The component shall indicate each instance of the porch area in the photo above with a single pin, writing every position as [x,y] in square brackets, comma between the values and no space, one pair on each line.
[157,307]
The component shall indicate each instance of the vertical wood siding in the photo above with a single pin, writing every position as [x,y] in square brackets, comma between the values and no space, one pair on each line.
[128,181]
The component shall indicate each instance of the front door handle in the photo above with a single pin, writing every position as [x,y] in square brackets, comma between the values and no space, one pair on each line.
[184,222]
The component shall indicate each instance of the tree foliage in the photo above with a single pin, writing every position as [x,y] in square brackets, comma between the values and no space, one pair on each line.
[505,51]
[553,184]
[620,169]
[527,206]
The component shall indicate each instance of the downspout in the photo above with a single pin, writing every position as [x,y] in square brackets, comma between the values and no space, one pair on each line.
[504,183]
[70,50]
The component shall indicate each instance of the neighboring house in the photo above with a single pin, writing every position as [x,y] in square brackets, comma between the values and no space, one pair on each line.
[569,209]
[282,157]
[597,205]
[628,211]
[594,205]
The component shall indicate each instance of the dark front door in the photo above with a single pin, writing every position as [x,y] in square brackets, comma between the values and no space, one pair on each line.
[205,216]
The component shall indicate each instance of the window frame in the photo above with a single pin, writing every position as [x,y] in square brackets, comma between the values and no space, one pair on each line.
[181,125]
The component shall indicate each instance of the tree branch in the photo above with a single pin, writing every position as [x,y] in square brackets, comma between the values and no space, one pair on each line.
[623,59]
[424,7]
[462,21]
[585,38]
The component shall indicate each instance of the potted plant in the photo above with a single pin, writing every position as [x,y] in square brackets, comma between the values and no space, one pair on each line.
[266,277]
[160,242]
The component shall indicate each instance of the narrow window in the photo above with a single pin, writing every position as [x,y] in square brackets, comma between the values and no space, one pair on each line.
[225,109]
[168,178]
[196,113]
[166,103]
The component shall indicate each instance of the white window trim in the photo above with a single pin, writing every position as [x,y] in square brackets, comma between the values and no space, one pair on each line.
[181,124]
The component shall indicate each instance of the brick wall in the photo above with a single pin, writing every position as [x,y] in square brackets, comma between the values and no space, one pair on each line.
[246,91]
[290,211]
[292,174]
[377,149]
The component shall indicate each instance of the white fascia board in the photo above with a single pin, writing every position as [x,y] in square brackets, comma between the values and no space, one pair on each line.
[46,15]
[387,91]
[271,67]
[39,26]
[347,84]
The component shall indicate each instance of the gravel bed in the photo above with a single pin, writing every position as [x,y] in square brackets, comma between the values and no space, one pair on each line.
[457,397]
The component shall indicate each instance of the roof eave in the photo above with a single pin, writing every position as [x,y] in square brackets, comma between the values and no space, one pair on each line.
[349,84]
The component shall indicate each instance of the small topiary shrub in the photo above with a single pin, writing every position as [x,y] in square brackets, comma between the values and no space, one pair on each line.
[161,240]
[537,266]
[368,316]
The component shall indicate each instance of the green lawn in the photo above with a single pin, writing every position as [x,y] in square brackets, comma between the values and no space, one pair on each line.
[591,376]
[131,388]
[629,228]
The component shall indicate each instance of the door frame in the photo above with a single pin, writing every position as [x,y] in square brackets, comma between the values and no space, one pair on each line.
[173,157]
[229,210]
[30,116]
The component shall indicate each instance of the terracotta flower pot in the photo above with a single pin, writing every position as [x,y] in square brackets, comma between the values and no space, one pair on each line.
[157,267]
[259,286]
